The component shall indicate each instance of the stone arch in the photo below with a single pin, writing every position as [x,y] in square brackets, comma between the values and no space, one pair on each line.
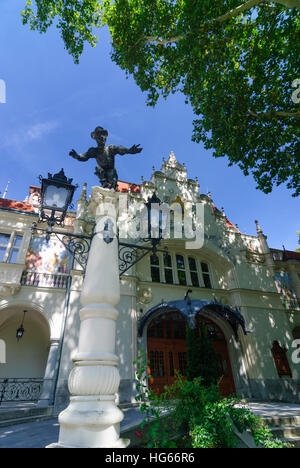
[12,303]
[222,266]
[26,358]
[190,309]
[237,360]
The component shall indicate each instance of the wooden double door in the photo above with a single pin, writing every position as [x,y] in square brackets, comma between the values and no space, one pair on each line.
[166,343]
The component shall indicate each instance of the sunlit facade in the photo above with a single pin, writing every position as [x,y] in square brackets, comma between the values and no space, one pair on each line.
[247,293]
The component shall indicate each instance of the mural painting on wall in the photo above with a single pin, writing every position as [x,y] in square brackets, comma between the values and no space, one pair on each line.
[285,288]
[51,257]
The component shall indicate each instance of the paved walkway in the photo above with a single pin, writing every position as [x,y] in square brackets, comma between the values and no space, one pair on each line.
[39,434]
[270,410]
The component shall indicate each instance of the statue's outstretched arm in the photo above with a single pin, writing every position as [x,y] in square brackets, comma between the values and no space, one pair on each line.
[82,157]
[122,150]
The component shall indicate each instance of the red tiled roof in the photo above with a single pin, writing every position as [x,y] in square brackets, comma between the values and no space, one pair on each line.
[228,223]
[16,205]
[291,255]
[124,186]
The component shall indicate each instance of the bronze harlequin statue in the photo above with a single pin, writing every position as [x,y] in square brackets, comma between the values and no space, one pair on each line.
[105,157]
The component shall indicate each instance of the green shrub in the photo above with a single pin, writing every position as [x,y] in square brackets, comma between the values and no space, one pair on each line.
[197,411]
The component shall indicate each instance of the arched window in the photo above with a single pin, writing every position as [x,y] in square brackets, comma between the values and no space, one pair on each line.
[281,360]
[296,333]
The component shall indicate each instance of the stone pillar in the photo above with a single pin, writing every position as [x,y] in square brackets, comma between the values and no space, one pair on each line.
[92,419]
[265,248]
[81,214]
[47,392]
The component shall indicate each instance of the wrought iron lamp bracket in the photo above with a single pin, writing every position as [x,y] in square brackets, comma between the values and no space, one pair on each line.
[131,254]
[78,245]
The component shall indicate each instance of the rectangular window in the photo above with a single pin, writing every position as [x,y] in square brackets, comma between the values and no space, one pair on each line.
[181,269]
[193,272]
[9,247]
[206,275]
[4,241]
[168,269]
[155,270]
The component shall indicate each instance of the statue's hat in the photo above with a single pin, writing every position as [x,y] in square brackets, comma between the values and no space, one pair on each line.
[98,130]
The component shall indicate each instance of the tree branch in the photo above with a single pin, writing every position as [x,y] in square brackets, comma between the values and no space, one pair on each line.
[276,114]
[158,41]
[230,14]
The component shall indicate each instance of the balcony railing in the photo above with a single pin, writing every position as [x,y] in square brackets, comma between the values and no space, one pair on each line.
[20,390]
[44,280]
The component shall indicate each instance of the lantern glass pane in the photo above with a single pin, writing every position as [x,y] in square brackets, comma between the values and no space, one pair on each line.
[56,197]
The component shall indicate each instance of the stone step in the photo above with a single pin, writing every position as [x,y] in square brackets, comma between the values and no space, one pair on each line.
[286,432]
[11,416]
[294,441]
[282,421]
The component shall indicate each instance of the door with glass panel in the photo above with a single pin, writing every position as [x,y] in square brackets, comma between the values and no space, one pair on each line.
[166,349]
[166,343]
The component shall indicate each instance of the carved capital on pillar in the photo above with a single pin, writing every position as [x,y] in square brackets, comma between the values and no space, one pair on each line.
[103,202]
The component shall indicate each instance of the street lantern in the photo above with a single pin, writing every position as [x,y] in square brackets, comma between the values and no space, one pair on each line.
[154,214]
[21,330]
[129,253]
[56,196]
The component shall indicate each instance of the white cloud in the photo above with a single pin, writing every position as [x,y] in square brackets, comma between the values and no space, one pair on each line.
[30,133]
[39,130]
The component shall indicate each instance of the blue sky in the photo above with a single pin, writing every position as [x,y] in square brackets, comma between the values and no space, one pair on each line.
[53,105]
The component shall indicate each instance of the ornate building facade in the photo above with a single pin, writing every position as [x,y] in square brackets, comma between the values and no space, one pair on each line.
[247,293]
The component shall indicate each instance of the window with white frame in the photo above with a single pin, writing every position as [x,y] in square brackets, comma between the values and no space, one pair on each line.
[9,247]
[155,268]
[168,267]
[194,272]
[181,269]
[206,275]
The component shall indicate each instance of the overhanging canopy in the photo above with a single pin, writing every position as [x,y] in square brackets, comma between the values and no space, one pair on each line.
[190,308]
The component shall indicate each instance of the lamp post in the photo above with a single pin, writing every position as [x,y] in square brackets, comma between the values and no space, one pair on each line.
[92,419]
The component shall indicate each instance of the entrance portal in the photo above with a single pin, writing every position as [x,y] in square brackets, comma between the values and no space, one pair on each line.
[166,341]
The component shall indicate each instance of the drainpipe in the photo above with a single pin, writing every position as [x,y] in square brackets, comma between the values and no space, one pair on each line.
[79,228]
[62,336]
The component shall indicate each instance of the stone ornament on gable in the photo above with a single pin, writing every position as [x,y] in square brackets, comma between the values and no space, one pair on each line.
[254,257]
[144,295]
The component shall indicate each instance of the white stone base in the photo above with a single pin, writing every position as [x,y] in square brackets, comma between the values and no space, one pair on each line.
[122,443]
[91,422]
